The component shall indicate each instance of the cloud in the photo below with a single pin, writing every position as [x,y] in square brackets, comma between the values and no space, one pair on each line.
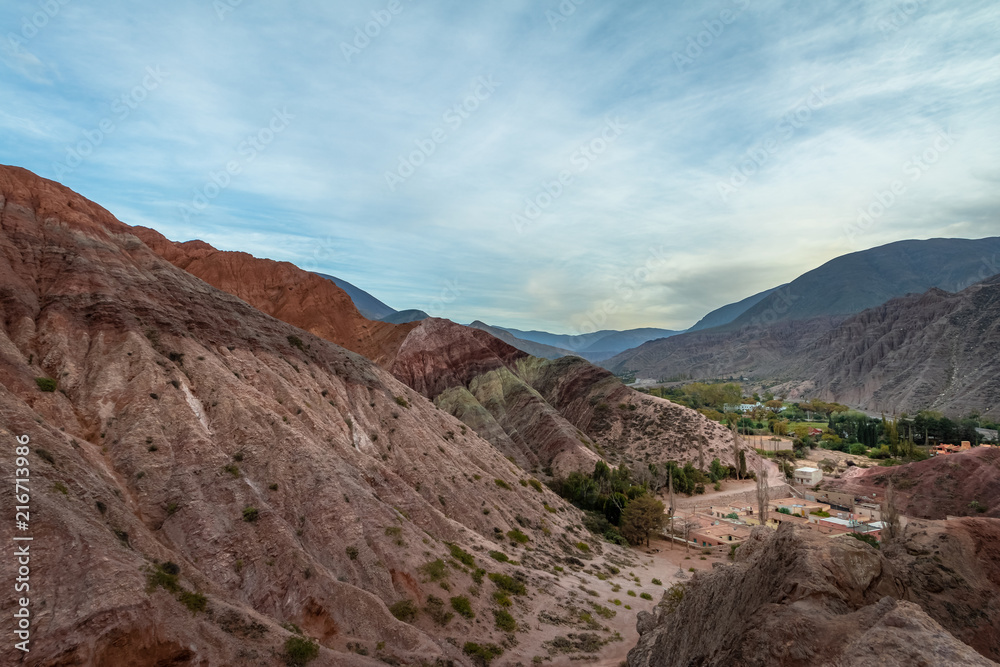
[698,90]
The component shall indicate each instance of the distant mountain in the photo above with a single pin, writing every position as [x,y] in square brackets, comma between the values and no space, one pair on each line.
[730,312]
[404,316]
[596,346]
[367,305]
[935,350]
[531,347]
[850,283]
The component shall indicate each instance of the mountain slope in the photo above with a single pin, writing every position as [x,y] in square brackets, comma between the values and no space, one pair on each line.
[278,474]
[730,312]
[851,283]
[367,305]
[535,349]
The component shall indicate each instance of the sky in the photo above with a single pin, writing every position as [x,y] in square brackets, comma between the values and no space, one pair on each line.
[566,166]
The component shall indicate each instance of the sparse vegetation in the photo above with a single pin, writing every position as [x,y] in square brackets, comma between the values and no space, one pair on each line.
[45,384]
[435,570]
[504,621]
[250,514]
[867,539]
[507,583]
[461,604]
[404,610]
[502,484]
[300,651]
[517,536]
[435,609]
[402,402]
[461,555]
[482,654]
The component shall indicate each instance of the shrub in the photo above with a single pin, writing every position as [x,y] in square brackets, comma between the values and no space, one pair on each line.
[504,620]
[195,602]
[300,651]
[61,488]
[461,604]
[46,384]
[645,596]
[501,598]
[502,484]
[435,570]
[657,582]
[482,654]
[583,546]
[44,455]
[535,484]
[295,341]
[404,610]
[461,555]
[517,536]
[232,470]
[499,556]
[867,539]
[435,609]
[250,514]
[507,583]
[673,597]
[402,402]
[352,552]
[630,593]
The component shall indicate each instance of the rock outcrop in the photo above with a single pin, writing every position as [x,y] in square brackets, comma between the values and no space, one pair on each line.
[796,598]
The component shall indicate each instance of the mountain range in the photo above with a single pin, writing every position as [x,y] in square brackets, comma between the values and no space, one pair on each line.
[934,348]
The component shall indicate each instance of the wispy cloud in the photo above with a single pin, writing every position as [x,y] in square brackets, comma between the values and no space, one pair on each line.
[894,75]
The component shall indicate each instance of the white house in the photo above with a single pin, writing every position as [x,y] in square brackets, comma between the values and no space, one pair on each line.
[808,476]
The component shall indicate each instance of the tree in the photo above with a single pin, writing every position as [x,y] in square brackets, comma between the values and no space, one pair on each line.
[642,516]
[763,493]
[671,484]
[736,444]
[890,514]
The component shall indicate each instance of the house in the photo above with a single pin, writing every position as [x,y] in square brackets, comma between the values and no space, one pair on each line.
[808,476]
[816,431]
[798,506]
[722,533]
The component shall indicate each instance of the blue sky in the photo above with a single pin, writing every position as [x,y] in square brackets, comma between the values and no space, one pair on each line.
[563,166]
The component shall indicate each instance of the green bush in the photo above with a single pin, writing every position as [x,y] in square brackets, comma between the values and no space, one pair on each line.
[46,384]
[535,484]
[507,583]
[502,484]
[657,582]
[517,536]
[250,514]
[482,654]
[499,556]
[867,539]
[402,402]
[583,546]
[435,570]
[300,651]
[404,610]
[504,620]
[461,604]
[195,602]
[501,598]
[435,609]
[645,596]
[352,552]
[461,555]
